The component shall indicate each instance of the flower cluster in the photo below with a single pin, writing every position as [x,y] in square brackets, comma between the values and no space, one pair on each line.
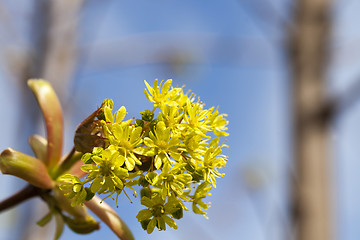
[175,157]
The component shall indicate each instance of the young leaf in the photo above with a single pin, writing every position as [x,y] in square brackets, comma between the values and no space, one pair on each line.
[51,109]
[39,146]
[26,167]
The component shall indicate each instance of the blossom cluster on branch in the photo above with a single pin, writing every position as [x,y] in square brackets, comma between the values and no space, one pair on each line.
[173,153]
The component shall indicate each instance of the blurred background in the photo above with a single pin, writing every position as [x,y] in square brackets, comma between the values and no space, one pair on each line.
[232,53]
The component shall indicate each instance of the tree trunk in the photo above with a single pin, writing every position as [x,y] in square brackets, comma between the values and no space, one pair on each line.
[309,44]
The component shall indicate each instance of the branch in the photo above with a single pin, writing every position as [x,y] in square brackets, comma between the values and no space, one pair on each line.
[347,99]
[26,193]
[334,106]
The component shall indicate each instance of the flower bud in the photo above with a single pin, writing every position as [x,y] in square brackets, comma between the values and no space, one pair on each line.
[147,115]
[145,192]
[143,182]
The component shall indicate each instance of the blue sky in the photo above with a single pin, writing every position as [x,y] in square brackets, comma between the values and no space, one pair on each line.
[231,57]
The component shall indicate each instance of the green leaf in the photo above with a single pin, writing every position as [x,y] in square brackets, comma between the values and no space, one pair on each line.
[26,167]
[51,109]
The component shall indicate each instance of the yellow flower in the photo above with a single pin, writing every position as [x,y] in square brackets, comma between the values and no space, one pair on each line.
[161,95]
[124,139]
[218,122]
[157,214]
[163,145]
[172,117]
[196,118]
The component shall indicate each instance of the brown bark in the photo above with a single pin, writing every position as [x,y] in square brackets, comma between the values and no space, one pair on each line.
[309,53]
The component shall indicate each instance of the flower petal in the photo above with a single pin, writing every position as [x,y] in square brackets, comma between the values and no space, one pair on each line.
[120,114]
[26,167]
[144,214]
[169,221]
[151,225]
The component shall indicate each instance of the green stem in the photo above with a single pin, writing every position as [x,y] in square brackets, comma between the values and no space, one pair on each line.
[68,162]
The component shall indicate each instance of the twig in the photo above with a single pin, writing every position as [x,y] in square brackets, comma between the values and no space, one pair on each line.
[26,193]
